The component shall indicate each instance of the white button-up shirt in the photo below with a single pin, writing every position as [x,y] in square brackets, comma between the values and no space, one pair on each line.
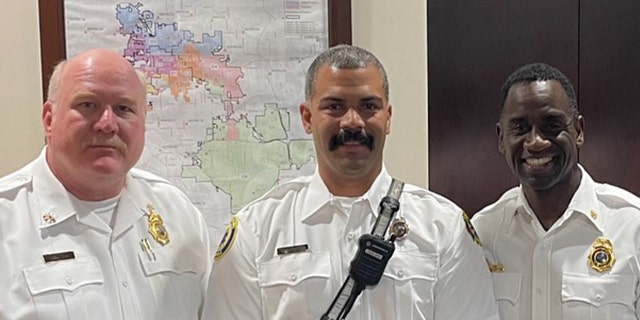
[436,272]
[104,273]
[548,275]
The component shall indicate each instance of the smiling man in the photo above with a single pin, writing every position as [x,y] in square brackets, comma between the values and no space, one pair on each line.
[560,246]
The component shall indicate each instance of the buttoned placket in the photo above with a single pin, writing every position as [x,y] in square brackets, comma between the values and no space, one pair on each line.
[360,221]
[541,275]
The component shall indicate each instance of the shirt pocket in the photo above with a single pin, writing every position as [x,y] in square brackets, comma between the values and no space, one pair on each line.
[406,288]
[175,278]
[506,288]
[294,286]
[69,289]
[598,297]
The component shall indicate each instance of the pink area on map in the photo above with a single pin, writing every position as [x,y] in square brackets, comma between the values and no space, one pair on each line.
[232,133]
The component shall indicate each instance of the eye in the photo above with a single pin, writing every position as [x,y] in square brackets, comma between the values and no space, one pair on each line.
[124,109]
[333,108]
[86,105]
[519,128]
[85,108]
[553,128]
[370,106]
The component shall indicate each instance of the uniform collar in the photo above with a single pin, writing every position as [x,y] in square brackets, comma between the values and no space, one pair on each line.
[56,204]
[319,197]
[53,201]
[584,203]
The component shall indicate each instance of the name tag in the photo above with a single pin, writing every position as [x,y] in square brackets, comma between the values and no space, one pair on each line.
[293,249]
[58,256]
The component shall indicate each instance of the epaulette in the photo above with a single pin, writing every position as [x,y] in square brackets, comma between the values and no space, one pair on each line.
[616,196]
[14,181]
[146,175]
[280,190]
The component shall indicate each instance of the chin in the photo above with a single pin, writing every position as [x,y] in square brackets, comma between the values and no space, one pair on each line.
[109,167]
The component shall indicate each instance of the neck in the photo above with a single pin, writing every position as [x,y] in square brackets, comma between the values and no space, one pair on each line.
[550,204]
[349,186]
[97,192]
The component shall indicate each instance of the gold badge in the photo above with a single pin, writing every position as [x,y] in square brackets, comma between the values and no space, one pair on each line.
[601,257]
[470,229]
[228,239]
[399,228]
[156,226]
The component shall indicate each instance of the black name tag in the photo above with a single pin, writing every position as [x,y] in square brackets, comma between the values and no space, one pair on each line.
[293,249]
[51,257]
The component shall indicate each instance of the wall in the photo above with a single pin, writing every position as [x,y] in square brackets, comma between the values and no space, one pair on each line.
[399,43]
[21,135]
[401,46]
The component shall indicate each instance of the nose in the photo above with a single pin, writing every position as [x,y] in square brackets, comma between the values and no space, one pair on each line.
[107,123]
[536,141]
[352,120]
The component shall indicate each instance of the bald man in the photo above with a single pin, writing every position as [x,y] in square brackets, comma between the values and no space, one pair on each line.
[85,235]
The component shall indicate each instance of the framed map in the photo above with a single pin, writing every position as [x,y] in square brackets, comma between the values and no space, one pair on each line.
[224,81]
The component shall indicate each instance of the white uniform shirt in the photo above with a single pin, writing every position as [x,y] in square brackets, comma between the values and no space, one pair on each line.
[547,275]
[110,275]
[436,272]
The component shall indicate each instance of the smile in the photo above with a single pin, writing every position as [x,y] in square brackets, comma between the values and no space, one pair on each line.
[538,162]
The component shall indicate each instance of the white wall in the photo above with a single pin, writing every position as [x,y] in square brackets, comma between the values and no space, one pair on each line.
[21,135]
[394,31]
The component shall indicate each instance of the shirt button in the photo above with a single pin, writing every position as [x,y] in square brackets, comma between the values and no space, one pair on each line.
[68,280]
[539,291]
[125,284]
[350,236]
[400,273]
[598,297]
[294,277]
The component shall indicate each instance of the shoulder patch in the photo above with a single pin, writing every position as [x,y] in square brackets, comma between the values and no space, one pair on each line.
[227,241]
[471,229]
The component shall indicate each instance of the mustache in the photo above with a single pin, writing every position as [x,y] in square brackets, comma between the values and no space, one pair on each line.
[344,136]
[110,142]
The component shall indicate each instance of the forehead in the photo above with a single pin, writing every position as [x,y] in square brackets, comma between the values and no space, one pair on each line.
[335,81]
[113,77]
[543,96]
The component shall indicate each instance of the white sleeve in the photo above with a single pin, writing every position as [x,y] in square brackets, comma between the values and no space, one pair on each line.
[464,289]
[233,291]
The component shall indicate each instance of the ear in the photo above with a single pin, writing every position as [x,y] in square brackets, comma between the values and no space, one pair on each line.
[47,118]
[500,136]
[580,131]
[305,115]
[388,126]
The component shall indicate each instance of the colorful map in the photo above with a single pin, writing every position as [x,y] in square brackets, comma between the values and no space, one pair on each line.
[224,82]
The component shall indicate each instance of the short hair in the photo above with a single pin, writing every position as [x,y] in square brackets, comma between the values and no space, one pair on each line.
[53,91]
[539,72]
[343,57]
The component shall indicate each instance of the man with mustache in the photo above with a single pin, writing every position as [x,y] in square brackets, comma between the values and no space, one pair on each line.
[287,254]
[83,235]
[560,246]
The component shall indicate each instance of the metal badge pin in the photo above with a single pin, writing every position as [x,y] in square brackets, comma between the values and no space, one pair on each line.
[601,257]
[495,268]
[156,226]
[146,247]
[48,217]
[594,215]
[399,228]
